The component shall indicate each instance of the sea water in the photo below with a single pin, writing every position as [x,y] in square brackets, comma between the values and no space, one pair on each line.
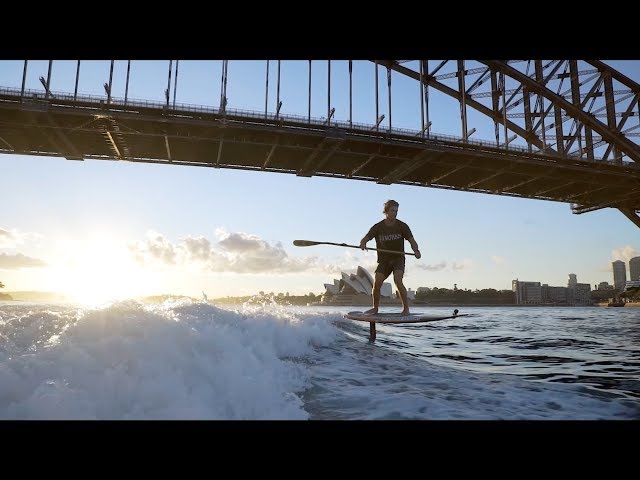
[258,361]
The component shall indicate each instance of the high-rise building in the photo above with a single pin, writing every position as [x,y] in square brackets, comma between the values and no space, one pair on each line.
[581,294]
[619,275]
[527,292]
[554,295]
[604,286]
[634,269]
[578,293]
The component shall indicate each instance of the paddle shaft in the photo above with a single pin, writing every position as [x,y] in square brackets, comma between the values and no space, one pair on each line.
[309,243]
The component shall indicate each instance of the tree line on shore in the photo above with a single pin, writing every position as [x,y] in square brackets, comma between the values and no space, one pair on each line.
[279,298]
[4,296]
[457,295]
[434,295]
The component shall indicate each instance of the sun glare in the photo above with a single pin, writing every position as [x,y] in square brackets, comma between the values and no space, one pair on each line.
[99,270]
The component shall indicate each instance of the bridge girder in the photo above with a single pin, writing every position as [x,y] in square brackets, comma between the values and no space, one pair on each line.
[600,81]
[224,138]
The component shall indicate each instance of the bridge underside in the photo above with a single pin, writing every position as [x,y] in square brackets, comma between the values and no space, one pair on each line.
[154,135]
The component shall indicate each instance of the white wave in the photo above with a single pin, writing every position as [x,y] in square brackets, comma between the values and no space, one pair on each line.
[172,361]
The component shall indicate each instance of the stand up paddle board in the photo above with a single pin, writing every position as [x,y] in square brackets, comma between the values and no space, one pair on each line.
[399,317]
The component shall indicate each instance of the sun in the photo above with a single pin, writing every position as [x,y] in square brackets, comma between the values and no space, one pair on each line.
[99,269]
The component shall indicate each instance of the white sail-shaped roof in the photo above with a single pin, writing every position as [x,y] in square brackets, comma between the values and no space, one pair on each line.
[365,278]
[353,282]
[360,282]
[331,288]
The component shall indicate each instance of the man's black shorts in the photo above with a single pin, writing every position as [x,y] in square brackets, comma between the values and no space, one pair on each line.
[386,267]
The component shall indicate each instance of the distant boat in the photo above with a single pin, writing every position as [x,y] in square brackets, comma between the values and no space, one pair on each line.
[618,303]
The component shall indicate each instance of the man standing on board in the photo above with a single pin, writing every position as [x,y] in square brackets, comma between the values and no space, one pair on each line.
[390,234]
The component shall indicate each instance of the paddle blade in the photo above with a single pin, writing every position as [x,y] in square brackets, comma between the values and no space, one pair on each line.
[304,243]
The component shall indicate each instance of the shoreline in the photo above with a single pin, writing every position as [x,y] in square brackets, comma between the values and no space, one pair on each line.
[461,305]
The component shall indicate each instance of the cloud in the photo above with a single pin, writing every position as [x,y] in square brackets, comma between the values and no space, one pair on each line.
[156,247]
[339,267]
[240,252]
[198,248]
[465,264]
[9,238]
[233,252]
[625,253]
[10,262]
[12,238]
[432,267]
[497,259]
[239,242]
[349,262]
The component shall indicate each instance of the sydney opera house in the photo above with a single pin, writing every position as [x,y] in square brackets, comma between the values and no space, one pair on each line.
[355,289]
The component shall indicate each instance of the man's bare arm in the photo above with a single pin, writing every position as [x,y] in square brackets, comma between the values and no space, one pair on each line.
[414,246]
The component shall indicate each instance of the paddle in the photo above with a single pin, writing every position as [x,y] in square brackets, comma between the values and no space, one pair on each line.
[310,243]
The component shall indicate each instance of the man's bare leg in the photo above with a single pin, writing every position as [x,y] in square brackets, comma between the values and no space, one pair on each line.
[397,277]
[377,286]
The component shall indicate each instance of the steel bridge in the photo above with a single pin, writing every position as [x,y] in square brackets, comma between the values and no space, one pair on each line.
[565,131]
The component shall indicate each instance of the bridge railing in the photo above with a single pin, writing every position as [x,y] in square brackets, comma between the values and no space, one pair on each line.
[357,128]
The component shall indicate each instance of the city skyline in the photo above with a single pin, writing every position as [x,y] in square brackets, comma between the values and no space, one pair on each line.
[96,230]
[389,285]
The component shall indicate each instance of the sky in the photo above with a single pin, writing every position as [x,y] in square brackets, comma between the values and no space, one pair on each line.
[97,230]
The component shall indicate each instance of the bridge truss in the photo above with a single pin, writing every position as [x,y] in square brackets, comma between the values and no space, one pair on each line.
[565,131]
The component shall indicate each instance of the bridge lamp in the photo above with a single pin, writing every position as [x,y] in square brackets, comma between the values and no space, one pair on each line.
[426,127]
[511,139]
[380,118]
[331,112]
[471,132]
[46,88]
